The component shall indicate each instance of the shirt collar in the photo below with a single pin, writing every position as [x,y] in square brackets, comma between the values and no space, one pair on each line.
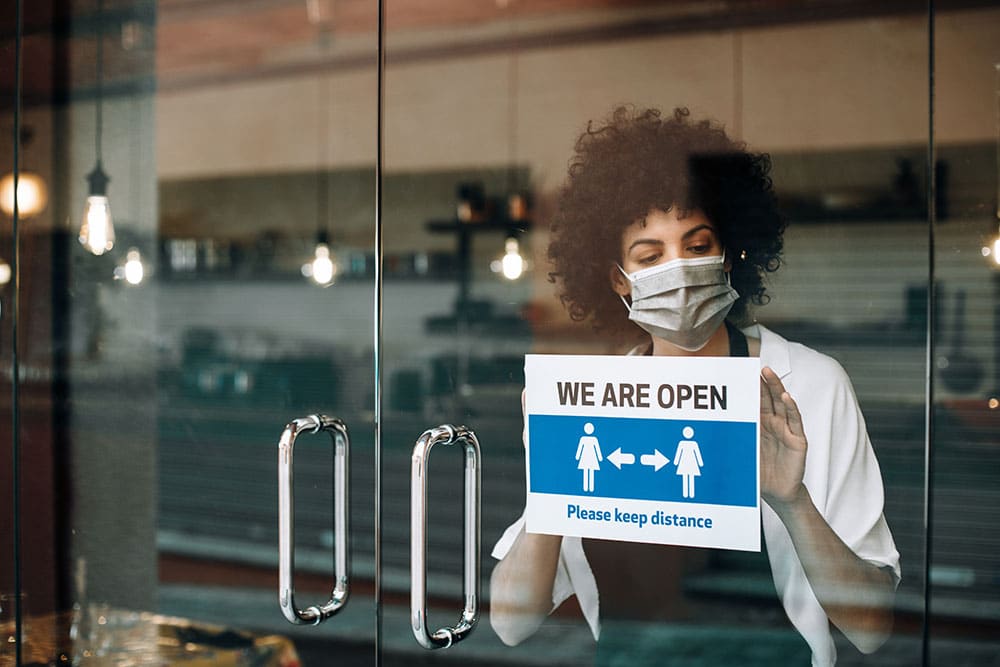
[773,349]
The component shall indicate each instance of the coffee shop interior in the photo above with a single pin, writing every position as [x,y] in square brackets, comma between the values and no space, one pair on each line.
[231,214]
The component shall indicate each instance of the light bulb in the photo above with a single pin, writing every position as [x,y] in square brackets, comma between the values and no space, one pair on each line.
[993,251]
[97,233]
[5,273]
[134,270]
[32,195]
[512,263]
[321,269]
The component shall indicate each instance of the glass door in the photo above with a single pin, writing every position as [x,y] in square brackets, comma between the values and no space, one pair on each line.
[152,375]
[8,514]
[966,404]
[164,347]
[520,154]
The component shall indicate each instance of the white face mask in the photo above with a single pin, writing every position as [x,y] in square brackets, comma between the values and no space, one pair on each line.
[682,301]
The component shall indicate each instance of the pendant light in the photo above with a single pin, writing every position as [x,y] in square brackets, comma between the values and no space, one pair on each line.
[97,232]
[132,270]
[322,269]
[992,251]
[512,264]
[32,193]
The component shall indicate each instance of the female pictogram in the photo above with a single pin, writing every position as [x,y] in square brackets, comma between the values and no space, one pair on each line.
[687,458]
[588,453]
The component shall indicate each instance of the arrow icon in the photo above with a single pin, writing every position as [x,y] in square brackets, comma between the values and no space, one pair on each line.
[618,458]
[656,459]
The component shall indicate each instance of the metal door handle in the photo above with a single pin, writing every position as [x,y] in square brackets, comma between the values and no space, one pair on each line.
[315,614]
[444,637]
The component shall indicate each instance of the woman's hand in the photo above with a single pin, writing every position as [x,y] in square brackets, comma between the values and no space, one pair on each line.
[782,442]
[521,583]
[857,595]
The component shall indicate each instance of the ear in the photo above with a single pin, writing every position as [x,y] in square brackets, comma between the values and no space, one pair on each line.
[619,283]
[727,266]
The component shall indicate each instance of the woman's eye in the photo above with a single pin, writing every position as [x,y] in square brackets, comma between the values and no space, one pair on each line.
[651,259]
[699,249]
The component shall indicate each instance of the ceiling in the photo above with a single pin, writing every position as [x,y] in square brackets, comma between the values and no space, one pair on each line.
[184,43]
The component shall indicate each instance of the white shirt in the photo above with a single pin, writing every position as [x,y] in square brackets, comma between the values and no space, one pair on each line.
[841,474]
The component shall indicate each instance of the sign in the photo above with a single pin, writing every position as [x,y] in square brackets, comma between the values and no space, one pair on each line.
[644,449]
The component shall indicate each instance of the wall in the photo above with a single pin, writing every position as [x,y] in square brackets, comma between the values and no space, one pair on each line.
[791,90]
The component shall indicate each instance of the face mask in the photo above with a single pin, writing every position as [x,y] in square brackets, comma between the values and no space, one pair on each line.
[683,301]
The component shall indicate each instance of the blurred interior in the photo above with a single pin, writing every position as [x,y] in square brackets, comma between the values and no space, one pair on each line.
[239,135]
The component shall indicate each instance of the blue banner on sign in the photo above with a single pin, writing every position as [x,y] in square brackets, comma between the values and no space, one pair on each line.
[646,459]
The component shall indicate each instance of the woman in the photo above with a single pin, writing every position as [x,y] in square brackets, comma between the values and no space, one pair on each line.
[680,223]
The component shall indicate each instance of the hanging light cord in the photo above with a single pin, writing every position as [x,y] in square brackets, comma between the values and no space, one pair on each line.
[512,105]
[15,396]
[135,158]
[100,79]
[322,177]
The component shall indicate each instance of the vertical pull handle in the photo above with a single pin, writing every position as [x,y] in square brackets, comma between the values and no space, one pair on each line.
[315,614]
[444,637]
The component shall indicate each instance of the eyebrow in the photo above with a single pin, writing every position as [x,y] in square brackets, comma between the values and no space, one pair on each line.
[644,242]
[689,233]
[694,230]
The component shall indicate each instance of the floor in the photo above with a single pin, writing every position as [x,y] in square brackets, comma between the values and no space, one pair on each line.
[348,639]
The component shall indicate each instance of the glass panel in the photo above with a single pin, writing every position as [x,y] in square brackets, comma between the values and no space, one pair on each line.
[161,368]
[964,574]
[486,103]
[8,465]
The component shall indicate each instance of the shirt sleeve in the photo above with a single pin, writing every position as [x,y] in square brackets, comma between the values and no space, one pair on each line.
[854,496]
[573,574]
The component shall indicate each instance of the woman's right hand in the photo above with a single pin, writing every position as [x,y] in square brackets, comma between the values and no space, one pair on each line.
[521,586]
[521,583]
[783,443]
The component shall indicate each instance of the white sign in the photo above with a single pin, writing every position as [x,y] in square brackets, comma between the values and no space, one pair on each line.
[644,449]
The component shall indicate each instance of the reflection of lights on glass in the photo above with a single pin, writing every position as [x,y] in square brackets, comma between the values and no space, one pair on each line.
[993,251]
[97,233]
[994,403]
[242,382]
[321,269]
[5,273]
[134,270]
[32,195]
[512,264]
[517,206]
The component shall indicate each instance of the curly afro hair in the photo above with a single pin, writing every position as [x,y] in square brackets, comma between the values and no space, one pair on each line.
[637,162]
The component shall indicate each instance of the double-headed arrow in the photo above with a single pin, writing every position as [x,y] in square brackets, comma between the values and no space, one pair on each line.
[656,460]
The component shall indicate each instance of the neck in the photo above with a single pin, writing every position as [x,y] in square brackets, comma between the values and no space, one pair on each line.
[717,346]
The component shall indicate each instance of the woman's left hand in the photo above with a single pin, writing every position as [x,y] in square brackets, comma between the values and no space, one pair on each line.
[782,442]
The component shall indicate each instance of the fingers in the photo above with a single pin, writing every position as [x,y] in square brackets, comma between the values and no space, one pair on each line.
[765,399]
[774,390]
[775,400]
[793,416]
[524,418]
[766,404]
